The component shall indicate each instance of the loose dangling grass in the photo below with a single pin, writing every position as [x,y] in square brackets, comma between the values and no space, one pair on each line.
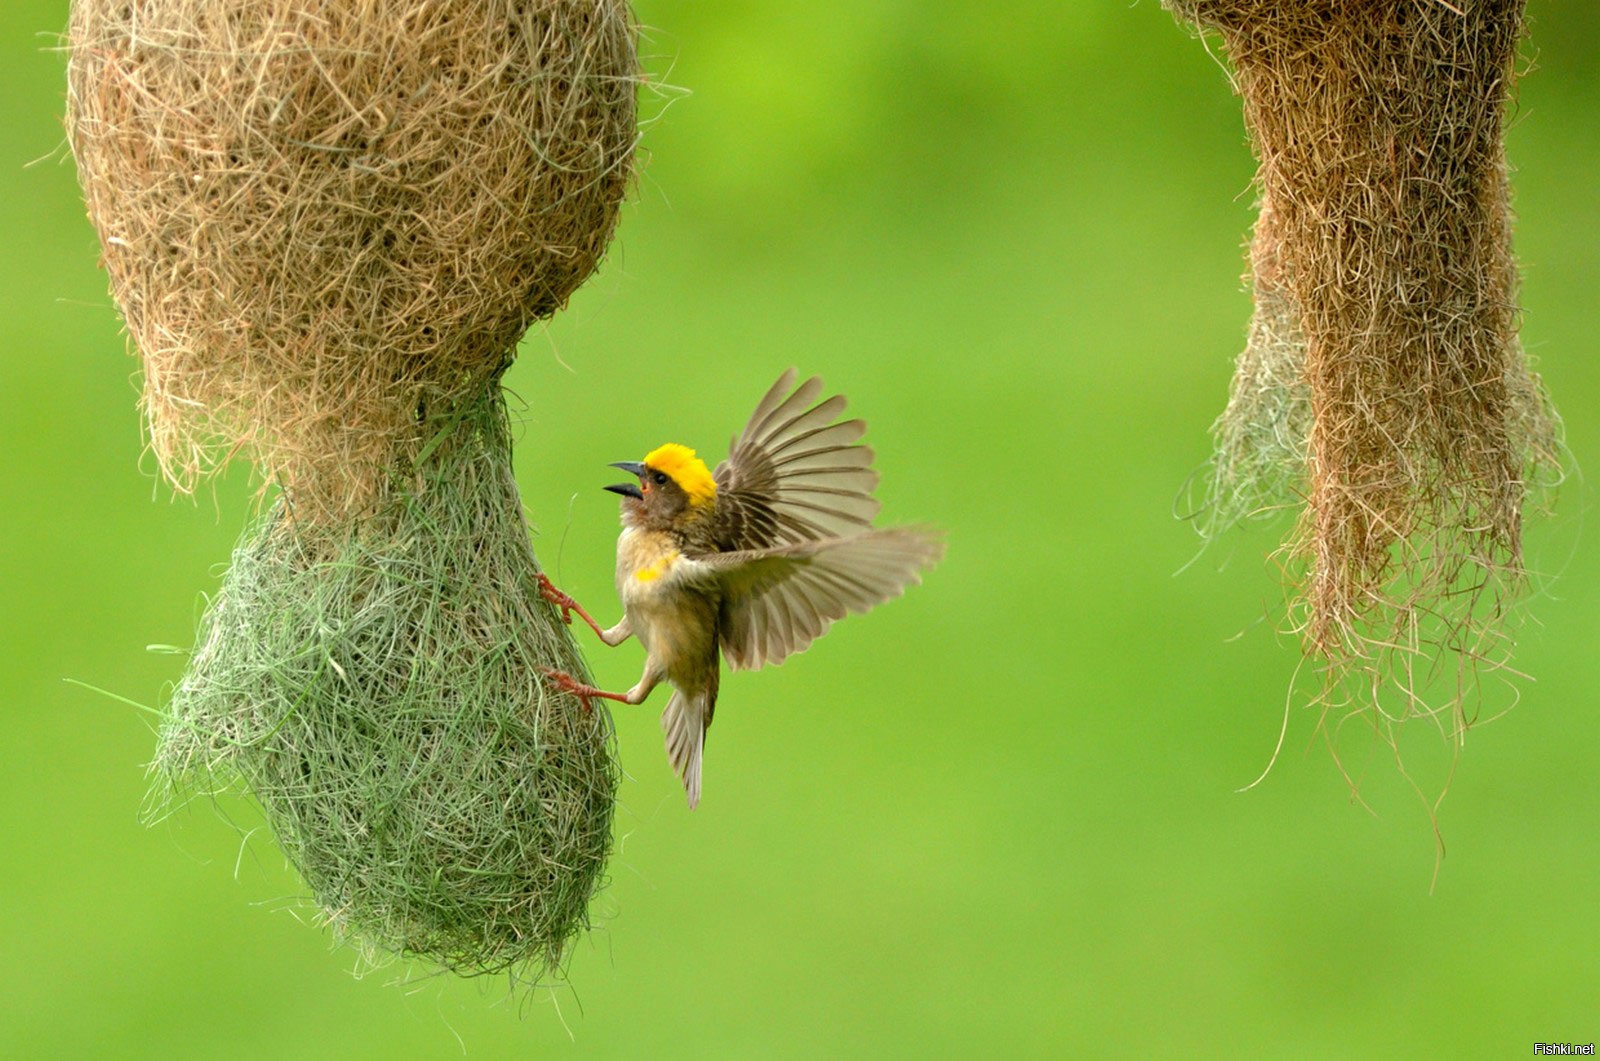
[1382,382]
[377,690]
[1258,465]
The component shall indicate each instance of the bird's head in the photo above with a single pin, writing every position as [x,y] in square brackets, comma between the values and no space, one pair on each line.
[674,488]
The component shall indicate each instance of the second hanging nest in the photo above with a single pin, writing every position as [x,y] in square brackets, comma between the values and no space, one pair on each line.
[1383,381]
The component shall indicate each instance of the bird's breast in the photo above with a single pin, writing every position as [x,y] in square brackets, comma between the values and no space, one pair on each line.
[670,611]
[646,564]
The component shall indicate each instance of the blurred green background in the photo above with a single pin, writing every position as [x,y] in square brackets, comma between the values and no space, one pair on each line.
[998,815]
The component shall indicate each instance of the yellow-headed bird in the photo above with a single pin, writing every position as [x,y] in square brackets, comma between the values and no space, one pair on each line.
[752,562]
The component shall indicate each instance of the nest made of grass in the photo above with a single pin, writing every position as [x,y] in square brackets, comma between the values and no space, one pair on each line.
[318,217]
[378,691]
[1383,381]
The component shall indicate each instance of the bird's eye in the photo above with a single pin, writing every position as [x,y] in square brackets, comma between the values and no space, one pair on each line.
[660,478]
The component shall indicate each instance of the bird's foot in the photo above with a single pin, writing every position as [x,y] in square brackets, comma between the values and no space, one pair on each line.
[548,591]
[565,604]
[566,683]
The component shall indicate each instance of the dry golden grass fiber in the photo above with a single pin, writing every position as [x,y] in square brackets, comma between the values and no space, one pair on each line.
[322,217]
[1386,231]
[378,691]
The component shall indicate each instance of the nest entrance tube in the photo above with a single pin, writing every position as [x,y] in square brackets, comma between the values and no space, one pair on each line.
[1383,381]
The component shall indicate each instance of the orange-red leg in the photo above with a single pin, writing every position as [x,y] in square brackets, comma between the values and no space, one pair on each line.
[573,687]
[548,591]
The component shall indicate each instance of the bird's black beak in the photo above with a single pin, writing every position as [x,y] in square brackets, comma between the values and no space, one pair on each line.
[629,489]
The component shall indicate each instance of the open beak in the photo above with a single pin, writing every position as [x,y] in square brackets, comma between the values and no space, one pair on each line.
[629,489]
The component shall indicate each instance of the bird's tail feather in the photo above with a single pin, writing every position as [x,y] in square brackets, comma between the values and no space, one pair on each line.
[684,722]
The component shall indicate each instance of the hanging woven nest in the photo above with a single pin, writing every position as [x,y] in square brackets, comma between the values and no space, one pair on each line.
[327,224]
[1383,382]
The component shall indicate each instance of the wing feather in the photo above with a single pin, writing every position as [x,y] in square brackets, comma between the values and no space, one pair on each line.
[808,423]
[851,459]
[779,404]
[796,472]
[808,432]
[776,601]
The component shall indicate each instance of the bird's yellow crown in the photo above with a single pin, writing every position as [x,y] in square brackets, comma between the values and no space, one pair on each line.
[685,469]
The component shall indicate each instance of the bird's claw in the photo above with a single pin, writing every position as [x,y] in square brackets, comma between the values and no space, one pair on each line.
[562,601]
[566,683]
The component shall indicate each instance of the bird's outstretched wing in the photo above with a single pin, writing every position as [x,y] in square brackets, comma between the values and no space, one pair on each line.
[793,474]
[776,601]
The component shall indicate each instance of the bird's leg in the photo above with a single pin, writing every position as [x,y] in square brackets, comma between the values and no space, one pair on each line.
[585,692]
[613,637]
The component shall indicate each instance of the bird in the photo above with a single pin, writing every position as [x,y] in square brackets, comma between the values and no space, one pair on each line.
[750,563]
